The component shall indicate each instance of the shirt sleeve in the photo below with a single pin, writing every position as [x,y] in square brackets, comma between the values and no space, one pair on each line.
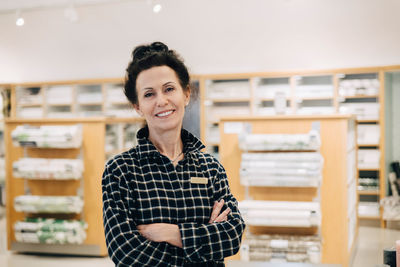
[126,247]
[215,241]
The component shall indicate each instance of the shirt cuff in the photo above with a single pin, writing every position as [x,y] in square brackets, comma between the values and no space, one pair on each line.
[191,234]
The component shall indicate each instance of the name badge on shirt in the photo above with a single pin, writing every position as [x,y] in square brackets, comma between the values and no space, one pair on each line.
[198,180]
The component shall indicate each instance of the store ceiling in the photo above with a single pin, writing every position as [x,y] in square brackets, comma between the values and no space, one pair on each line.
[7,6]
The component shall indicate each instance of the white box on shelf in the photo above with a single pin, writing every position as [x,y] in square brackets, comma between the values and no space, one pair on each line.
[305,91]
[281,169]
[269,91]
[368,158]
[368,209]
[59,94]
[29,95]
[270,142]
[48,204]
[363,111]
[89,98]
[30,112]
[368,134]
[48,136]
[228,89]
[281,213]
[42,168]
[353,87]
[115,94]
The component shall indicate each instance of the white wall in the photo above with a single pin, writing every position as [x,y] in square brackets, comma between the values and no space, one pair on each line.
[214,36]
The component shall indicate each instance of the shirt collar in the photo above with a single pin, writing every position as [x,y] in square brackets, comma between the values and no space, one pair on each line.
[146,147]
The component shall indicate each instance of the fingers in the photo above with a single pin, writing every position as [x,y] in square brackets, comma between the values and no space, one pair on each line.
[141,228]
[223,216]
[216,214]
[216,210]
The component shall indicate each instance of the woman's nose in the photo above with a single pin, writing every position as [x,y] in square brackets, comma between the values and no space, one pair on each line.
[162,100]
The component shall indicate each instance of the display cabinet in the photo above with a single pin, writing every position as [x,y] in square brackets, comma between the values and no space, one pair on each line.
[362,94]
[71,99]
[356,91]
[336,194]
[58,208]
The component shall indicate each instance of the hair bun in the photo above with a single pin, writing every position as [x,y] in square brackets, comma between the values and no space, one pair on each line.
[143,51]
[159,47]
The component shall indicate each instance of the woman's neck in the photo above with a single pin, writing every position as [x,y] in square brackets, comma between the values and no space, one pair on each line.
[168,143]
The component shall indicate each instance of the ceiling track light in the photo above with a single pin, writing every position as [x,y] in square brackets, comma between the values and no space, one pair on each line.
[157,8]
[19,21]
[155,5]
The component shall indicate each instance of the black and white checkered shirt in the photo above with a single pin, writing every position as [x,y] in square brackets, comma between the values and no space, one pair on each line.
[142,186]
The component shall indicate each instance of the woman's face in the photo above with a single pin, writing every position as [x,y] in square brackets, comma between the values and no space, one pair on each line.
[161,99]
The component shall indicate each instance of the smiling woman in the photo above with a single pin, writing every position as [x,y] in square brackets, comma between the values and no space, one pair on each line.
[165,202]
[161,100]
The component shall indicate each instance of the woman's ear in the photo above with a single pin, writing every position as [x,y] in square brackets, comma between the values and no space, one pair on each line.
[136,107]
[187,96]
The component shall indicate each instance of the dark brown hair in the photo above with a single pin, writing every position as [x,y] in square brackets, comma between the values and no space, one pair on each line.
[152,55]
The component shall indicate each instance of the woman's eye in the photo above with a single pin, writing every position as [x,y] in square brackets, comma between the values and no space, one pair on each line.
[148,94]
[169,89]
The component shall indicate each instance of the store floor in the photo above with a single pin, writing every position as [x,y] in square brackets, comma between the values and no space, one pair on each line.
[371,241]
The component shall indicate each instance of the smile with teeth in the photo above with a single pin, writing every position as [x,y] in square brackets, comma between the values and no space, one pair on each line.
[164,114]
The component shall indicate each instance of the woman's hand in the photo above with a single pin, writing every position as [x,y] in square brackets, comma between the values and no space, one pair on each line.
[216,215]
[161,232]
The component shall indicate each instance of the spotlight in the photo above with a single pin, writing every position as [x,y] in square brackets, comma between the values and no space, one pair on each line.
[157,8]
[19,19]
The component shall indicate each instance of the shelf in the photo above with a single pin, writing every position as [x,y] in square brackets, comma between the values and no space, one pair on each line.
[369,217]
[59,104]
[213,121]
[359,96]
[67,249]
[86,190]
[367,121]
[249,223]
[368,169]
[285,186]
[118,103]
[280,151]
[30,105]
[261,99]
[229,100]
[111,120]
[116,151]
[368,145]
[90,104]
[369,193]
[315,98]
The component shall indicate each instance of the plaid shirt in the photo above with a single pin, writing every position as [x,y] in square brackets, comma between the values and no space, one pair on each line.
[142,186]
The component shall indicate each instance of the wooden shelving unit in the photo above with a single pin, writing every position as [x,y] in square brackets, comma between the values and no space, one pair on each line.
[74,101]
[289,81]
[92,153]
[338,195]
[367,192]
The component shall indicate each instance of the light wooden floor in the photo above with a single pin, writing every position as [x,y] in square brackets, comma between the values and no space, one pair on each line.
[370,244]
